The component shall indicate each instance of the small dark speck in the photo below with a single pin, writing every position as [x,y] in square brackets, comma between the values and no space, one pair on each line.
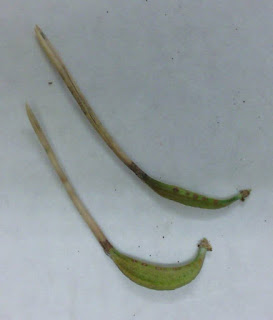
[163,237]
[139,246]
[244,101]
[165,14]
[43,35]
[236,29]
[78,250]
[157,226]
[178,261]
[107,11]
[115,189]
[172,58]
[50,83]
[150,255]
[218,122]
[265,221]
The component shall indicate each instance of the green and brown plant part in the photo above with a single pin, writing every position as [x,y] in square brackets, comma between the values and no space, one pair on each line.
[171,192]
[153,276]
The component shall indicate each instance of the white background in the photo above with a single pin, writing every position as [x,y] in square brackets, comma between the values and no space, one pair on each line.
[185,87]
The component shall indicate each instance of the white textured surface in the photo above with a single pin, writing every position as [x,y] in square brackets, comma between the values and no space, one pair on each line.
[186,88]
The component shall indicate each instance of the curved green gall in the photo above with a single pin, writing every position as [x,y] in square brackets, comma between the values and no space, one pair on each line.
[190,198]
[160,277]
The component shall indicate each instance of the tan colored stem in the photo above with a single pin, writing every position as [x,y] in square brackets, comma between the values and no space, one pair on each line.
[79,97]
[69,188]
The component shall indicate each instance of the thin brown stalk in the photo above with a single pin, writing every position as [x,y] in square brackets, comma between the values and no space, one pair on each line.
[79,97]
[68,186]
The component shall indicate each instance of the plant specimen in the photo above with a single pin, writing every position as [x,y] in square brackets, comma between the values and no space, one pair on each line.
[153,276]
[171,192]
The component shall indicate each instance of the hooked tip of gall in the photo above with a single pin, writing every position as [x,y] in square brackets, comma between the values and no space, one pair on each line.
[244,194]
[204,243]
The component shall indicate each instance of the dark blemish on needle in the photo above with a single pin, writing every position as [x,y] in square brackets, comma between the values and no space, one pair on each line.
[43,35]
[50,83]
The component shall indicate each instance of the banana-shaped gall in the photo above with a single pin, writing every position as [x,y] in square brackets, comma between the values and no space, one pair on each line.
[165,190]
[152,276]
[190,198]
[160,277]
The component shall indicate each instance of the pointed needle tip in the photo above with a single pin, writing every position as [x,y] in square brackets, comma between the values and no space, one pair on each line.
[29,111]
[39,32]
